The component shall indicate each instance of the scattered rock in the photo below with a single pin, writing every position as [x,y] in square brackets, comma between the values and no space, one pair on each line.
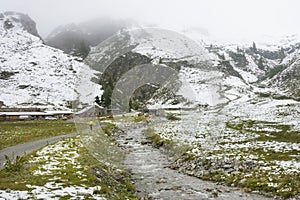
[214,194]
[235,173]
[144,142]
[227,166]
[243,181]
[247,190]
[161,181]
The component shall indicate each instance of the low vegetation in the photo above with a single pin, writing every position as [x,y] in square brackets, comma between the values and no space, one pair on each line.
[255,155]
[156,139]
[13,133]
[140,118]
[71,163]
[172,148]
[279,184]
[275,143]
[172,117]
[110,129]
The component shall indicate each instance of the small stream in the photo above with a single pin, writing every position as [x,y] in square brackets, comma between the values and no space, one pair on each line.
[155,180]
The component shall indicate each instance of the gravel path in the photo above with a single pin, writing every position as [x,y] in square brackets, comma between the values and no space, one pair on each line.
[29,147]
[155,180]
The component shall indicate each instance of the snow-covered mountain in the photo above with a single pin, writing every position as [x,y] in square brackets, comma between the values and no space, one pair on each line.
[210,74]
[276,69]
[33,74]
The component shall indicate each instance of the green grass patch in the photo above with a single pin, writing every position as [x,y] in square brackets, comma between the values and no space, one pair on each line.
[271,155]
[282,136]
[17,177]
[172,117]
[110,129]
[171,148]
[279,184]
[155,138]
[283,185]
[13,133]
[140,118]
[267,131]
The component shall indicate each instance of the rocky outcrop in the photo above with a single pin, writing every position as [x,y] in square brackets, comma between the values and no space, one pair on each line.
[28,24]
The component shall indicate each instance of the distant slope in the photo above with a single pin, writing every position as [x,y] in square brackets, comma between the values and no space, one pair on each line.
[287,78]
[76,39]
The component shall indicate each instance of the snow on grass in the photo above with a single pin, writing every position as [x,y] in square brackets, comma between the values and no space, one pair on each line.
[248,128]
[261,146]
[52,191]
[59,156]
[59,167]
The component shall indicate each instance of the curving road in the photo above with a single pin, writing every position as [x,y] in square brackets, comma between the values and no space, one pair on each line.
[27,148]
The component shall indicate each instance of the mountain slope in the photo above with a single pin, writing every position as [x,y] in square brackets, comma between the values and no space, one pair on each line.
[199,79]
[216,74]
[287,79]
[76,39]
[33,74]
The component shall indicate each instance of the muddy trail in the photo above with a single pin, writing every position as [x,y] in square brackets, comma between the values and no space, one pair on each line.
[155,180]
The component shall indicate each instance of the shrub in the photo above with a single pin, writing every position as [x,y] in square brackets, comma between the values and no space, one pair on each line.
[14,166]
[172,117]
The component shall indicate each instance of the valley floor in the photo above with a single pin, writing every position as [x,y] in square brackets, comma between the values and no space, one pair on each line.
[250,151]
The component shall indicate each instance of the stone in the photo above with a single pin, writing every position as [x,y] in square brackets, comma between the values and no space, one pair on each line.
[193,166]
[230,171]
[243,181]
[261,163]
[162,180]
[214,194]
[228,166]
[241,168]
[144,142]
[236,173]
[247,190]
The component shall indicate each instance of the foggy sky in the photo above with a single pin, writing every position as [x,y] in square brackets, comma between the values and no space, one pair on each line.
[221,18]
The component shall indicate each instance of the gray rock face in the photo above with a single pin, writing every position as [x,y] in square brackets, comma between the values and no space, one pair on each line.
[28,24]
[289,80]
[8,24]
[76,39]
